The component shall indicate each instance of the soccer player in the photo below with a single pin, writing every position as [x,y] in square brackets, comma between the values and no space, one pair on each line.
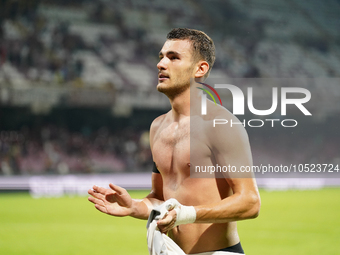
[209,207]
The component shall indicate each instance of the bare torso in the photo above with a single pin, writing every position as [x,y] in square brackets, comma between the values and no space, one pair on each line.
[171,153]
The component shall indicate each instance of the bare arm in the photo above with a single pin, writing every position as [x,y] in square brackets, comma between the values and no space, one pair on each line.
[143,207]
[116,201]
[243,204]
[230,146]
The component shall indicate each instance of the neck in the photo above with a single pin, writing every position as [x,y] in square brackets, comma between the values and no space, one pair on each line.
[180,104]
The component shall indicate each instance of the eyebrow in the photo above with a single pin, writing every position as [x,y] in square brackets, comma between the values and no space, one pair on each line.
[169,53]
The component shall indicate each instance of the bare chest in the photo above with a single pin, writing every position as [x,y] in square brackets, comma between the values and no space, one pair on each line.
[171,149]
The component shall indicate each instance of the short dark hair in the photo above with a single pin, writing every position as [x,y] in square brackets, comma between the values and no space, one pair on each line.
[203,45]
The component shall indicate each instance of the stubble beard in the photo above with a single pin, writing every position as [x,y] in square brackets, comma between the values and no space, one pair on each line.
[177,87]
[173,90]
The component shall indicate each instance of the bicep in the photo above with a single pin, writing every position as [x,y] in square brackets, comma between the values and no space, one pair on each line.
[155,197]
[156,178]
[231,148]
[157,187]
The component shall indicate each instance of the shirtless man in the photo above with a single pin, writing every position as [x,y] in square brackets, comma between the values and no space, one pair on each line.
[216,202]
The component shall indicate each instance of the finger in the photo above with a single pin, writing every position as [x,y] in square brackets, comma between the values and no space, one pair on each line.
[116,188]
[162,229]
[169,218]
[95,194]
[165,221]
[166,228]
[95,201]
[99,189]
[101,208]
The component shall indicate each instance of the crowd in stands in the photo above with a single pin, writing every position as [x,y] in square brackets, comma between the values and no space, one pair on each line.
[56,41]
[82,43]
[55,150]
[38,51]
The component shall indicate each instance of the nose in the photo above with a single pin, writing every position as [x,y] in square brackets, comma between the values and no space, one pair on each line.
[162,64]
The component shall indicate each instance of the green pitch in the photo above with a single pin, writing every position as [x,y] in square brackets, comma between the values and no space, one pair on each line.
[291,222]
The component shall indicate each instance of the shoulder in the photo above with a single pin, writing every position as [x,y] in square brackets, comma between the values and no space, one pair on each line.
[224,127]
[156,124]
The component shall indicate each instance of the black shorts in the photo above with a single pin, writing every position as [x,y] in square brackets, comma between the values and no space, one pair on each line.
[237,248]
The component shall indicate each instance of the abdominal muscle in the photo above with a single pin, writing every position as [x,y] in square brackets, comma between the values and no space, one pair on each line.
[196,238]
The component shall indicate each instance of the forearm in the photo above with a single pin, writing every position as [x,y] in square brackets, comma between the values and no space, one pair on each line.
[142,207]
[233,208]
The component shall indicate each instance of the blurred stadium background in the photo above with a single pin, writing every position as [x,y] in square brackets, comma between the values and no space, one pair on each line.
[77,80]
[77,86]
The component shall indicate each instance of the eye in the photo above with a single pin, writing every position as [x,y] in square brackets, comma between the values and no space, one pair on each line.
[174,57]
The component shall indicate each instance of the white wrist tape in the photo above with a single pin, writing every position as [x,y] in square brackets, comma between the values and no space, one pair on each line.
[185,214]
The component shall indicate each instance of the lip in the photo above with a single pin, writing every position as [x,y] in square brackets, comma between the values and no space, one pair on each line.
[162,77]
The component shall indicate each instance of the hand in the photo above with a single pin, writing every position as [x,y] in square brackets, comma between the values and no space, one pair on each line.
[168,221]
[115,201]
[176,214]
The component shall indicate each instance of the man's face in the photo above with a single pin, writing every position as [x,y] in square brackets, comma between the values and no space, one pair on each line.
[176,66]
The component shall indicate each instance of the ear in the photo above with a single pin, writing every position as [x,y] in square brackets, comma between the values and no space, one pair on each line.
[202,69]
